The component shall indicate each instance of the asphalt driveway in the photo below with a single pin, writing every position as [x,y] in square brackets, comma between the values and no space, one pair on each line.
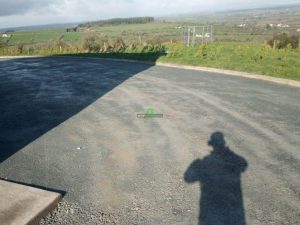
[225,152]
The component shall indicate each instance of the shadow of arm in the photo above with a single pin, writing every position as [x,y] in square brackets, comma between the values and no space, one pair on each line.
[192,175]
[244,164]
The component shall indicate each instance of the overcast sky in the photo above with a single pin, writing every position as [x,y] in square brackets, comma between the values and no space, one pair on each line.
[35,12]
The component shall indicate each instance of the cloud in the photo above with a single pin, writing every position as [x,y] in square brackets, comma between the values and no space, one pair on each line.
[17,7]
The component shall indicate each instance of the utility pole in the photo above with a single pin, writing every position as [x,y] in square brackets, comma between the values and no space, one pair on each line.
[202,34]
[211,33]
[194,35]
[189,33]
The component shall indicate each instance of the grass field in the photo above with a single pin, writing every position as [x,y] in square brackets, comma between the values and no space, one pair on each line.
[43,36]
[225,24]
[130,32]
[142,32]
[73,36]
[34,36]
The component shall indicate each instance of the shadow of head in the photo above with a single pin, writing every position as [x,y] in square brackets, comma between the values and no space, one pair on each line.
[217,140]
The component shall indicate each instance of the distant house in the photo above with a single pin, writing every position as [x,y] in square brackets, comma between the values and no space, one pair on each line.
[6,35]
[242,25]
[283,25]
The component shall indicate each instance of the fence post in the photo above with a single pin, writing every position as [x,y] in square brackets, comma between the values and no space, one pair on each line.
[194,36]
[211,33]
[189,37]
[202,34]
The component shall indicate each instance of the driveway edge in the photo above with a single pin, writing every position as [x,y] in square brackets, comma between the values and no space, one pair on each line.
[277,80]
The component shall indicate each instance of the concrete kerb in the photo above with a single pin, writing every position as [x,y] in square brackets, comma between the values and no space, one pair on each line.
[24,205]
[277,80]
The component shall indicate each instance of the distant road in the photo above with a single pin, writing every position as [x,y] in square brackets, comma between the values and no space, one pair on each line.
[71,125]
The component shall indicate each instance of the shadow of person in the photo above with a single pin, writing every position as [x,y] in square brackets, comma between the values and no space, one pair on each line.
[219,174]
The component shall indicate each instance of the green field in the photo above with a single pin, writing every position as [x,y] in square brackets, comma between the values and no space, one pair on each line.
[226,27]
[28,37]
[142,32]
[34,36]
[73,36]
[131,32]
[222,31]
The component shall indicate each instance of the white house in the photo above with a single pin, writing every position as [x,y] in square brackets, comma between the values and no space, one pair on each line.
[283,25]
[5,35]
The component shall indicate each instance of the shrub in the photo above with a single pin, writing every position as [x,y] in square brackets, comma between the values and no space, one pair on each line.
[174,50]
[20,47]
[58,45]
[105,46]
[202,51]
[90,43]
[119,45]
[281,41]
[31,49]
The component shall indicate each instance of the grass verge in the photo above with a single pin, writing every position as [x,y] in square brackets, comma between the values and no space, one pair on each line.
[244,57]
[253,58]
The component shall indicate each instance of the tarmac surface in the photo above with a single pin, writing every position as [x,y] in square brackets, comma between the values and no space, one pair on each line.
[225,152]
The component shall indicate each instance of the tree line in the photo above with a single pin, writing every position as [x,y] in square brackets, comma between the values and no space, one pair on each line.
[117,21]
